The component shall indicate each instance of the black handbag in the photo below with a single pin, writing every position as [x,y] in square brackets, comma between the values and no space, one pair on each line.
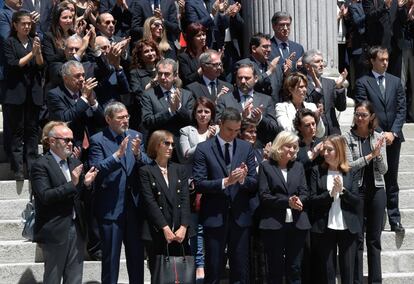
[173,269]
[28,219]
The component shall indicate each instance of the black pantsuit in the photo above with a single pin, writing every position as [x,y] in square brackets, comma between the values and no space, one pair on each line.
[23,97]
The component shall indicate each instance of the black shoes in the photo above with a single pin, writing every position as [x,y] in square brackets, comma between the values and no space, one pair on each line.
[19,176]
[398,228]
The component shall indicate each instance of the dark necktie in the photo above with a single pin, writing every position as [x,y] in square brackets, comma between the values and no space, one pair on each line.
[263,66]
[213,91]
[168,96]
[119,139]
[227,153]
[285,51]
[75,96]
[381,85]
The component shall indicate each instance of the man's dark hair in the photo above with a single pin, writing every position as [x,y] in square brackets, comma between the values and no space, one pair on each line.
[246,65]
[230,114]
[256,38]
[279,16]
[373,51]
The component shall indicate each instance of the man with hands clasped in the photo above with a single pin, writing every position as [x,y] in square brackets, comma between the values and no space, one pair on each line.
[224,171]
[117,152]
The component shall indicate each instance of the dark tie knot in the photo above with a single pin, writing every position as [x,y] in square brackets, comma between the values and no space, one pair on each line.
[62,163]
[284,45]
[119,138]
[380,78]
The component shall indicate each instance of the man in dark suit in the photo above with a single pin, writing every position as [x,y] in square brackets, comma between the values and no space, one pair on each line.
[254,106]
[201,11]
[75,102]
[269,73]
[166,106]
[60,230]
[166,10]
[289,51]
[384,27]
[386,94]
[208,85]
[327,92]
[224,172]
[117,153]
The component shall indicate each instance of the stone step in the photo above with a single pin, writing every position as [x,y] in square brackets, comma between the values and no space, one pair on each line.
[10,189]
[406,179]
[26,251]
[406,163]
[12,209]
[10,230]
[390,241]
[398,278]
[395,261]
[33,273]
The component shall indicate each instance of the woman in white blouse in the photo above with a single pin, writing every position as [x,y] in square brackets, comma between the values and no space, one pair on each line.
[334,201]
[295,86]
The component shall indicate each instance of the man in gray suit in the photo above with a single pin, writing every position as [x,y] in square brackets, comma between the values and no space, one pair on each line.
[324,92]
[254,106]
[166,106]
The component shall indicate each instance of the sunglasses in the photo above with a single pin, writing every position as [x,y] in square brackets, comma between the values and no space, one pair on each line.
[361,114]
[168,144]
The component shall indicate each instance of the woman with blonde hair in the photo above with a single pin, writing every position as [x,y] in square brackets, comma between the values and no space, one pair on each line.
[334,200]
[283,221]
[154,30]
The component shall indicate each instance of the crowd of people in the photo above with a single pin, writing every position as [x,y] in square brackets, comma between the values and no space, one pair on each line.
[160,132]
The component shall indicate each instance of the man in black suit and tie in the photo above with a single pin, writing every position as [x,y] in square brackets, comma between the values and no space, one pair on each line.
[60,229]
[326,92]
[254,106]
[208,85]
[289,51]
[75,102]
[224,172]
[121,12]
[166,106]
[386,94]
[269,73]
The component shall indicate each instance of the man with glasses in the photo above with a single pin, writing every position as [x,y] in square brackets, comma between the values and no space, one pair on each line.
[386,94]
[269,72]
[117,152]
[289,51]
[207,84]
[166,106]
[58,183]
[74,102]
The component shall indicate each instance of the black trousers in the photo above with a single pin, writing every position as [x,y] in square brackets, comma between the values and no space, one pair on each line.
[371,214]
[391,181]
[23,122]
[283,249]
[325,247]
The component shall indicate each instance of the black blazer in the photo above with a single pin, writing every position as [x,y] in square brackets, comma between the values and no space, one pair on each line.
[79,114]
[21,82]
[51,53]
[188,68]
[55,199]
[164,205]
[389,112]
[274,195]
[268,128]
[321,201]
[200,89]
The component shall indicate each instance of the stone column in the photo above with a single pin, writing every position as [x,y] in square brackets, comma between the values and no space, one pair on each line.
[314,24]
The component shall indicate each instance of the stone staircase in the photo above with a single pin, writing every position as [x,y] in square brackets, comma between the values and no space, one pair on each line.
[21,261]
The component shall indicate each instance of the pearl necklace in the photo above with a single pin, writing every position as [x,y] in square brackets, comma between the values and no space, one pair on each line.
[164,170]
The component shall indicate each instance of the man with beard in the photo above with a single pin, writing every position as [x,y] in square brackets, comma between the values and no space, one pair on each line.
[60,229]
[117,152]
[254,106]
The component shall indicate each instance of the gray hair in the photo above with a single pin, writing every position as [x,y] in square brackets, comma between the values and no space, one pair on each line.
[205,57]
[113,107]
[168,61]
[73,38]
[278,16]
[283,138]
[309,55]
[65,70]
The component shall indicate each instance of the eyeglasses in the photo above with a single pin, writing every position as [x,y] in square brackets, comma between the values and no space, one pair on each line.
[215,65]
[158,25]
[110,22]
[122,117]
[66,140]
[361,114]
[168,144]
